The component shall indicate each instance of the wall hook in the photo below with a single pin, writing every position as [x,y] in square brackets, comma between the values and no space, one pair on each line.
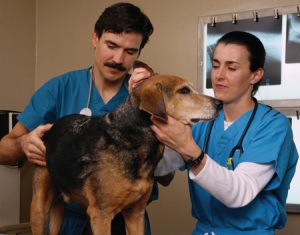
[276,14]
[213,21]
[234,21]
[255,16]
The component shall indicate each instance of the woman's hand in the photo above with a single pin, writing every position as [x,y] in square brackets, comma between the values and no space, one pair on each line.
[178,136]
[175,135]
[33,145]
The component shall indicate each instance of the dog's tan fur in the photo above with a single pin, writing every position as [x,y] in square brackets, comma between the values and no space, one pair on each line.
[109,187]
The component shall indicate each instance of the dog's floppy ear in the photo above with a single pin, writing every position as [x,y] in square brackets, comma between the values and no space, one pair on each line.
[152,101]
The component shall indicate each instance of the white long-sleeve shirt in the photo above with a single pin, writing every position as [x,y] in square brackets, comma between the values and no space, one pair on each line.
[233,188]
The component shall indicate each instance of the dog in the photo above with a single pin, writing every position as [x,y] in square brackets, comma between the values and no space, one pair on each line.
[106,163]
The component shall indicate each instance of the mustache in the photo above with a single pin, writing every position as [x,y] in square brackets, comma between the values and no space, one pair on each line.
[117,66]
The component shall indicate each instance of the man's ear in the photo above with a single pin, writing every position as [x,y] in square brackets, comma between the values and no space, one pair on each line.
[257,75]
[94,39]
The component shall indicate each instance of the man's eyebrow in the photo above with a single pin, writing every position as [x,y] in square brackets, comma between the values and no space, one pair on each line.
[132,49]
[111,42]
[116,45]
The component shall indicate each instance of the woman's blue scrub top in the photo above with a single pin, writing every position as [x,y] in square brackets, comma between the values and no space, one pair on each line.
[269,140]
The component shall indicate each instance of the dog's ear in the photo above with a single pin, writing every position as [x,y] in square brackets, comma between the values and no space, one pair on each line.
[152,101]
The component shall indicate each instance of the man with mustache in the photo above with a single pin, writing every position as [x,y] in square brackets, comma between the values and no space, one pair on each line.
[120,34]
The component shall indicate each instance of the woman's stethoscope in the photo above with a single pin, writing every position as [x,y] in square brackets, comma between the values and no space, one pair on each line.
[239,144]
[87,111]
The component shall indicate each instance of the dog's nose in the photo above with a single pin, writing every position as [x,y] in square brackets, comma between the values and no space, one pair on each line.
[218,104]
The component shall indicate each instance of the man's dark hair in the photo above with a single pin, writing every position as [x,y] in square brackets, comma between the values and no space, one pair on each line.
[124,18]
[255,47]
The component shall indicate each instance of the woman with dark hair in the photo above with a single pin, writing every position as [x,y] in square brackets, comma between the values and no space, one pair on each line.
[240,165]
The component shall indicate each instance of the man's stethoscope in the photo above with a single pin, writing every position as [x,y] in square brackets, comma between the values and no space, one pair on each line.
[87,111]
[239,144]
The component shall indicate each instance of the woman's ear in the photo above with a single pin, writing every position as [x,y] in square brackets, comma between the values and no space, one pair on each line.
[257,76]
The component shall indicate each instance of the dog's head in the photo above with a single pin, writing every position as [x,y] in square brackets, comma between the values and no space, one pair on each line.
[163,95]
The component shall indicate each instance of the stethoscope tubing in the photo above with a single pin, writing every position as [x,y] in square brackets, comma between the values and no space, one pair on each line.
[238,146]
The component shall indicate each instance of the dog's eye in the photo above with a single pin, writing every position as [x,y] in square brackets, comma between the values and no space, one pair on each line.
[184,90]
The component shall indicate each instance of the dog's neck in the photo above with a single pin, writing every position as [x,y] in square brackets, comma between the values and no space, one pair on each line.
[130,111]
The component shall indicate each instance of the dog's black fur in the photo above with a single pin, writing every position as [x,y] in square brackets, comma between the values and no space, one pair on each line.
[106,163]
[81,141]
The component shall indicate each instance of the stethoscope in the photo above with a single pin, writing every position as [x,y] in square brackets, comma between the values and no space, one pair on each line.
[238,146]
[87,111]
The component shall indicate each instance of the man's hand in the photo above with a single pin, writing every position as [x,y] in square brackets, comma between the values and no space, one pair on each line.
[141,71]
[33,145]
[138,74]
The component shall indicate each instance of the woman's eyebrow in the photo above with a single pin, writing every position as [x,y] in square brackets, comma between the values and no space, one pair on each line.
[227,62]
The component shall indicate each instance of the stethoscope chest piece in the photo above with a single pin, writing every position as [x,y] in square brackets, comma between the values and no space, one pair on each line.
[86,111]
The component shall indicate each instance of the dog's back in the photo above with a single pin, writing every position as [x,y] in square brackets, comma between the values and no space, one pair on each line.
[80,148]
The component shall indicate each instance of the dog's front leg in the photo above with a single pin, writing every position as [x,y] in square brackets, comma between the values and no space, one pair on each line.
[134,216]
[100,222]
[56,216]
[42,198]
[134,221]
